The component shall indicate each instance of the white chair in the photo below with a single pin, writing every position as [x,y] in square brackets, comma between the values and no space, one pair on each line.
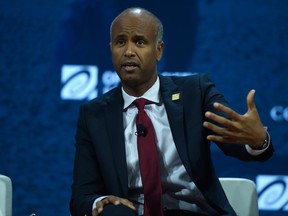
[5,196]
[242,195]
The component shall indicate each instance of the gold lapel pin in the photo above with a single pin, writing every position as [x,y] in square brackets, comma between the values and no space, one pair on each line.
[176,96]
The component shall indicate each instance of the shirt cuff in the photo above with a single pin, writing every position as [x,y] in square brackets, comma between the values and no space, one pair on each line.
[97,200]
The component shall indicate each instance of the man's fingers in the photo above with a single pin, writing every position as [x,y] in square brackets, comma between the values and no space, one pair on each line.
[219,119]
[117,201]
[97,211]
[128,204]
[111,200]
[223,134]
[250,100]
[219,130]
[231,113]
[215,138]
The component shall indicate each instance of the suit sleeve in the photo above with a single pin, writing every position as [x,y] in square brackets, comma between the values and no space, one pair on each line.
[86,181]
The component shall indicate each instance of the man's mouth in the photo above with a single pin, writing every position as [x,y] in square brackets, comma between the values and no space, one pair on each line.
[129,66]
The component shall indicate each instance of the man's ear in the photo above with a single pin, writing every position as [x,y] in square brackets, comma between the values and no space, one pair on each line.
[160,46]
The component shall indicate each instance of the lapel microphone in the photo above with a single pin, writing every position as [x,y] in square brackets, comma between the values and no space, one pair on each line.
[141,130]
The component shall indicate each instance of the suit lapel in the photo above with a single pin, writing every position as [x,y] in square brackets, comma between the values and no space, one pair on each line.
[173,102]
[114,117]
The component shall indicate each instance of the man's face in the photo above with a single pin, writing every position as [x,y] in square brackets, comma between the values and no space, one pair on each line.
[135,52]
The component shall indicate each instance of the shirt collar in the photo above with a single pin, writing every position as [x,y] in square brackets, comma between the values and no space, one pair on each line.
[152,94]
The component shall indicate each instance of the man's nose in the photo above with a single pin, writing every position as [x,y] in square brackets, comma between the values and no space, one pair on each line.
[129,52]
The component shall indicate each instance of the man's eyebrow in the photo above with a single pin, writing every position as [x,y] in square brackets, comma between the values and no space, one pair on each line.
[122,35]
[140,37]
[135,37]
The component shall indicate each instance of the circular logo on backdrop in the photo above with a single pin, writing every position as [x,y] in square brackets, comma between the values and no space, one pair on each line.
[79,82]
[272,192]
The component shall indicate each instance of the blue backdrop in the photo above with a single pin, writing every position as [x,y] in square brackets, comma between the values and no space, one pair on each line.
[54,55]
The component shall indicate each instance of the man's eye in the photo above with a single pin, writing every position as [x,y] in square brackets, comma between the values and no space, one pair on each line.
[120,42]
[140,42]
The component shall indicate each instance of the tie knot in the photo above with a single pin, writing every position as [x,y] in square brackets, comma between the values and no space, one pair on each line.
[140,103]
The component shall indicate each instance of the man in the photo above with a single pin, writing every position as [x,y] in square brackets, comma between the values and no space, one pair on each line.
[187,113]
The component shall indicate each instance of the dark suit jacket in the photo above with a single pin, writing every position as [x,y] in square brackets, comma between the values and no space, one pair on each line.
[100,164]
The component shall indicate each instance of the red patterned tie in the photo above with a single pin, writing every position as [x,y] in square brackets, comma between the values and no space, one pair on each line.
[149,163]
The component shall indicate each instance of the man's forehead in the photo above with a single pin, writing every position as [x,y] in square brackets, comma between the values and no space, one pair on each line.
[134,23]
